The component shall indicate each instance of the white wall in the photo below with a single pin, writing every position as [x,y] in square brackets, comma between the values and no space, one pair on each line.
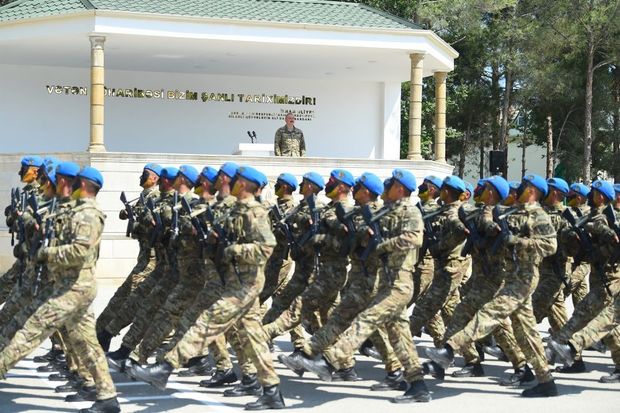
[351,119]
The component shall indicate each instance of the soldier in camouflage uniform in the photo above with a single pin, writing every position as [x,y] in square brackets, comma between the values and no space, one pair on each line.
[605,277]
[249,225]
[28,175]
[400,238]
[578,285]
[146,254]
[70,264]
[289,140]
[450,266]
[530,238]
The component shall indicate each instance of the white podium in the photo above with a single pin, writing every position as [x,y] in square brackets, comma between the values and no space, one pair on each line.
[254,149]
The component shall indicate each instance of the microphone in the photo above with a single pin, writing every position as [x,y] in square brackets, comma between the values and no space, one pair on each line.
[250,135]
[255,138]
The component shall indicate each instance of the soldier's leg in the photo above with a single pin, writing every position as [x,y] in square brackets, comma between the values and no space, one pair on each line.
[219,351]
[295,287]
[381,342]
[548,301]
[239,343]
[287,320]
[578,287]
[422,278]
[505,337]
[9,279]
[596,330]
[436,328]
[76,362]
[18,298]
[277,275]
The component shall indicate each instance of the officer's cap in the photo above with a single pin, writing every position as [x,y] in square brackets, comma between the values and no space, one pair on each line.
[190,173]
[69,169]
[405,178]
[229,169]
[209,173]
[604,187]
[253,175]
[288,179]
[32,160]
[315,178]
[153,167]
[343,176]
[537,182]
[435,180]
[500,184]
[454,182]
[169,172]
[92,174]
[371,182]
[559,184]
[580,189]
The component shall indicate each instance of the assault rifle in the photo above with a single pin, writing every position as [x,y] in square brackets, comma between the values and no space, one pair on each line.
[346,219]
[48,235]
[500,219]
[280,222]
[202,234]
[372,221]
[474,236]
[315,218]
[130,215]
[612,221]
[15,196]
[223,241]
[175,216]
[430,237]
[159,226]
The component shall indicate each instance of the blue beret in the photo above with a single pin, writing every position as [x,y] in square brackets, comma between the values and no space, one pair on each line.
[315,178]
[482,181]
[580,189]
[70,169]
[92,174]
[500,184]
[537,182]
[617,188]
[372,182]
[604,187]
[190,173]
[343,176]
[406,178]
[288,179]
[153,167]
[50,171]
[209,173]
[32,160]
[514,185]
[49,159]
[455,183]
[229,168]
[253,175]
[469,188]
[559,184]
[434,180]
[169,172]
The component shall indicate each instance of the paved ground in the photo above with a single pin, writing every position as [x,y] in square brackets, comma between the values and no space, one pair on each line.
[25,390]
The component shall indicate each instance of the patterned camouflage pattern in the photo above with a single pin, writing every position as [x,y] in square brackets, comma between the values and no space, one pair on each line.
[289,142]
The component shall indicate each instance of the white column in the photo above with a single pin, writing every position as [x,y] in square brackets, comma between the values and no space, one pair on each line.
[440,116]
[415,107]
[97,79]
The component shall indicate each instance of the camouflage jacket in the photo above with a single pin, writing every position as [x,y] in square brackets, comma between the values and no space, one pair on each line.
[163,207]
[332,232]
[78,237]
[449,231]
[556,263]
[299,222]
[534,235]
[402,232]
[289,143]
[360,237]
[141,231]
[286,205]
[187,243]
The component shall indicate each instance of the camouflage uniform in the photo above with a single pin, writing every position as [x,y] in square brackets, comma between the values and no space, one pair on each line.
[534,238]
[142,269]
[548,299]
[289,142]
[249,224]
[70,264]
[450,267]
[578,285]
[402,236]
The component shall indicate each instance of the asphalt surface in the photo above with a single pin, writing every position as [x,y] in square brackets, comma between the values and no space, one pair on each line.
[26,390]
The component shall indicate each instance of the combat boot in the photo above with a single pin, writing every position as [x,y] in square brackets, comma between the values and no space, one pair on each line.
[103,406]
[84,394]
[613,377]
[495,351]
[61,376]
[565,352]
[249,386]
[319,366]
[519,377]
[116,359]
[577,367]
[443,356]
[220,379]
[470,370]
[104,338]
[346,375]
[547,389]
[156,375]
[369,350]
[434,369]
[200,367]
[271,399]
[293,362]
[69,387]
[480,351]
[48,368]
[391,381]
[417,392]
[551,356]
[47,357]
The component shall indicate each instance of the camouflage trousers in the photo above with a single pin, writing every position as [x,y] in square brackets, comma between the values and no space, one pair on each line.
[578,286]
[480,289]
[591,306]
[548,299]
[513,300]
[162,324]
[601,328]
[277,271]
[17,299]
[9,279]
[446,284]
[388,310]
[422,279]
[68,307]
[148,307]
[238,306]
[124,315]
[119,300]
[361,289]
